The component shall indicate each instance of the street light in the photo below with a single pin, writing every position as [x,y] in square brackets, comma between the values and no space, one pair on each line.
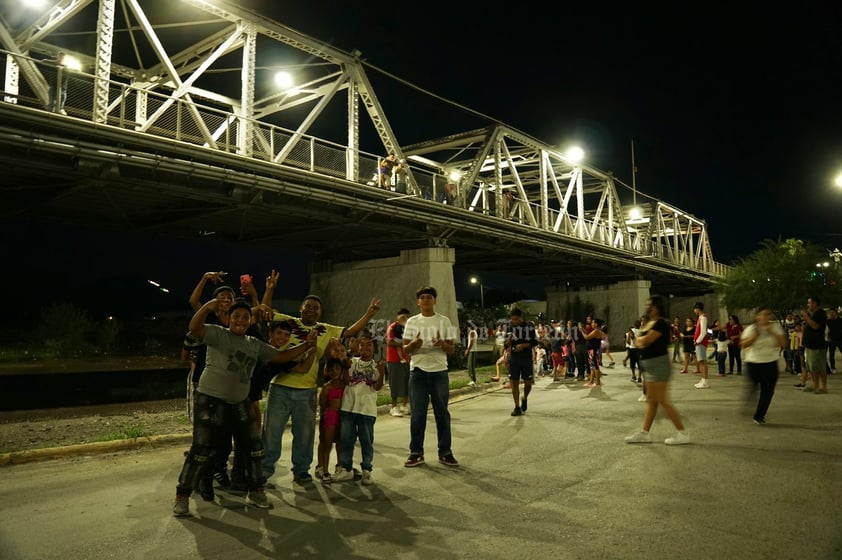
[475,280]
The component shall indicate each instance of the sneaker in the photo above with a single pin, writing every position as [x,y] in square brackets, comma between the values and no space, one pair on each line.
[642,398]
[404,409]
[414,461]
[639,437]
[472,383]
[343,476]
[320,473]
[366,479]
[523,405]
[703,384]
[448,460]
[799,385]
[63,112]
[807,389]
[396,412]
[759,422]
[206,489]
[221,478]
[303,478]
[517,411]
[181,507]
[680,438]
[258,498]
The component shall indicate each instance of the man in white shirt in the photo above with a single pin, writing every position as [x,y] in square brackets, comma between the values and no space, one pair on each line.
[428,338]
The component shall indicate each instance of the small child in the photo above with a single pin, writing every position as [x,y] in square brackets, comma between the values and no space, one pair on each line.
[721,351]
[359,412]
[330,403]
[335,350]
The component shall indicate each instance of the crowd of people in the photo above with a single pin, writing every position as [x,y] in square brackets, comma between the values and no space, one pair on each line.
[240,348]
[317,375]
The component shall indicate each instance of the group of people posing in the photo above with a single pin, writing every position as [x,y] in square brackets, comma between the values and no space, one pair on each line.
[240,348]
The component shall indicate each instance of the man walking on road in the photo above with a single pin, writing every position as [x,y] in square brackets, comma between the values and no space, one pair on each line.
[522,339]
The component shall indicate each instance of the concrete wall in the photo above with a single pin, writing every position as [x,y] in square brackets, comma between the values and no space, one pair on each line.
[683,307]
[346,289]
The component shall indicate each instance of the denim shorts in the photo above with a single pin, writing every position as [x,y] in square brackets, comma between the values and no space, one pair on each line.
[657,369]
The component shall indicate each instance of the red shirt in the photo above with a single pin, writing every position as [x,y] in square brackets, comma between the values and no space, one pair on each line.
[394,355]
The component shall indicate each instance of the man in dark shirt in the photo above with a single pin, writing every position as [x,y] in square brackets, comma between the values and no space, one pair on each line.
[834,337]
[521,340]
[815,345]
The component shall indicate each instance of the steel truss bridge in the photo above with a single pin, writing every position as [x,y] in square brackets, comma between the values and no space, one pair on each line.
[167,130]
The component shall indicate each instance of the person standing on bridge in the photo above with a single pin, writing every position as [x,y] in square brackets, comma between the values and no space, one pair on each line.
[58,85]
[222,406]
[653,343]
[387,165]
[294,395]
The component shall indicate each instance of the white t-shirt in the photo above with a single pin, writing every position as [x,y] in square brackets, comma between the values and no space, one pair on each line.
[360,396]
[473,337]
[765,349]
[428,357]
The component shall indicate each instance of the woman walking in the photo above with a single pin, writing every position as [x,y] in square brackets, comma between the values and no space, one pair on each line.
[762,342]
[653,343]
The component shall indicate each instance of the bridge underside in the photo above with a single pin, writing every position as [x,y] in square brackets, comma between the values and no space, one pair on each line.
[172,190]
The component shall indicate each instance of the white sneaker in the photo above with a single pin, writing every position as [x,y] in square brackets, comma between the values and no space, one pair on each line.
[366,479]
[343,476]
[703,384]
[404,409]
[395,411]
[639,437]
[472,383]
[642,398]
[680,438]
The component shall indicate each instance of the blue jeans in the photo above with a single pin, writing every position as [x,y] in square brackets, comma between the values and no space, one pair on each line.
[720,360]
[353,426]
[426,387]
[281,404]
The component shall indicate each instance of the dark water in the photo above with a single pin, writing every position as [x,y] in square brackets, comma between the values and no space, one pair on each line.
[55,390]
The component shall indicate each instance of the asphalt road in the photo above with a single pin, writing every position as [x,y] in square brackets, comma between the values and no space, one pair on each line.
[558,482]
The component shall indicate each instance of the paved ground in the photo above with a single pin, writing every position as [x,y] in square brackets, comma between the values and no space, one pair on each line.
[557,482]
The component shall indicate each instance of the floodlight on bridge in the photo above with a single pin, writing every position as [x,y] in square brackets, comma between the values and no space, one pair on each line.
[838,180]
[635,213]
[455,175]
[72,63]
[574,154]
[284,80]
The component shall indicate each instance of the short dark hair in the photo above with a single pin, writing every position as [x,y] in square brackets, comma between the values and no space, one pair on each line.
[699,305]
[426,290]
[239,303]
[280,324]
[403,311]
[223,288]
[313,297]
[516,313]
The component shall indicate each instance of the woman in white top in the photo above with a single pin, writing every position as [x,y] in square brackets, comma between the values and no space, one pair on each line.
[762,343]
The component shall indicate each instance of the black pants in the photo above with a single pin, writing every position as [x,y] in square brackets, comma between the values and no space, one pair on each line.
[214,421]
[734,356]
[766,377]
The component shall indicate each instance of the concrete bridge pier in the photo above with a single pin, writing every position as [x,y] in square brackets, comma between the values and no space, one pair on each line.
[346,289]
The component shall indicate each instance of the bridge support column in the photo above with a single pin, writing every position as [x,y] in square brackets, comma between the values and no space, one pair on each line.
[619,305]
[346,289]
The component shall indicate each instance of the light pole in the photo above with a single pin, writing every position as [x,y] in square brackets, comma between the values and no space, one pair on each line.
[475,280]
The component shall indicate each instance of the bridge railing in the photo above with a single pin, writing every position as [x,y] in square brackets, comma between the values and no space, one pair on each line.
[211,124]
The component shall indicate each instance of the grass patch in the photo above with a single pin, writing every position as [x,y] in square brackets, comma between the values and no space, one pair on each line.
[133,431]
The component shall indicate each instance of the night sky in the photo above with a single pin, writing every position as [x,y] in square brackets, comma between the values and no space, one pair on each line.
[734,115]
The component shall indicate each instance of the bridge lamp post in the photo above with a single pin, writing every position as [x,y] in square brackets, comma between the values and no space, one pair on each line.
[475,281]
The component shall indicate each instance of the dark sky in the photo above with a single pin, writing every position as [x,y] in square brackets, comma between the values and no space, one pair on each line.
[735,114]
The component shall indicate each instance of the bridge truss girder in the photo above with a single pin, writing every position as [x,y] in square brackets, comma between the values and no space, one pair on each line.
[505,173]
